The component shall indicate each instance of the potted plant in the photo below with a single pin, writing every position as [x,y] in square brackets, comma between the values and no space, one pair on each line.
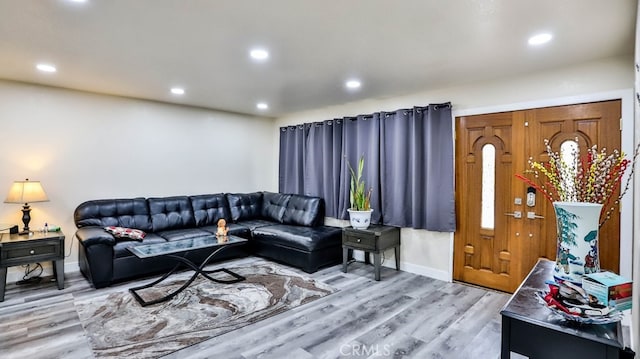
[359,198]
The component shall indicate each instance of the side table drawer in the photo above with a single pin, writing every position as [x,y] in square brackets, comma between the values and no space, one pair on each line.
[361,241]
[28,253]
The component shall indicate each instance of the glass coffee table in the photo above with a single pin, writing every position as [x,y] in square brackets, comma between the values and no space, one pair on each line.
[178,250]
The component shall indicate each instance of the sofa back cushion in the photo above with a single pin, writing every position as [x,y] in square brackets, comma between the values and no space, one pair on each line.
[304,211]
[171,213]
[245,206]
[129,213]
[209,208]
[273,206]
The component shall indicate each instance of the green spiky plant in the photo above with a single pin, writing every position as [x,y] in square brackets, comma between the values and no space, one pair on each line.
[359,197]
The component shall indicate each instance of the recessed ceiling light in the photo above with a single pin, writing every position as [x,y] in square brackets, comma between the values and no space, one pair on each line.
[540,39]
[78,1]
[262,106]
[177,91]
[259,54]
[353,84]
[46,68]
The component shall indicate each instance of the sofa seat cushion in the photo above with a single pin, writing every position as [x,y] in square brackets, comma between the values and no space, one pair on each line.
[299,237]
[235,229]
[120,249]
[255,223]
[185,233]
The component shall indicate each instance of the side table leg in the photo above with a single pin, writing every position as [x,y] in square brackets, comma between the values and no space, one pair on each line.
[3,283]
[58,268]
[397,253]
[377,264]
[345,259]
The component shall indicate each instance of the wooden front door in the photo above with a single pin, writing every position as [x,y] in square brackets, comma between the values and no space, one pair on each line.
[501,235]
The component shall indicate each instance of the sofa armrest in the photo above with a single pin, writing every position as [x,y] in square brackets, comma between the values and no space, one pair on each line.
[89,236]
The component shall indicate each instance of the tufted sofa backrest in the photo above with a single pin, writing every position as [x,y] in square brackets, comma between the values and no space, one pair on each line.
[171,213]
[274,205]
[245,206]
[304,211]
[209,208]
[131,213]
[177,212]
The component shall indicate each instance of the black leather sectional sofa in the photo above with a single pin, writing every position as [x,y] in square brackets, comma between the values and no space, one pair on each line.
[283,227]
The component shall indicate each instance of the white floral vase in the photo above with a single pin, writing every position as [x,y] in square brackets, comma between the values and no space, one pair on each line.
[577,249]
[360,219]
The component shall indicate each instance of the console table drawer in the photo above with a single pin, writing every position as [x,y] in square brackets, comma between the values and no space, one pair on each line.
[360,241]
[26,252]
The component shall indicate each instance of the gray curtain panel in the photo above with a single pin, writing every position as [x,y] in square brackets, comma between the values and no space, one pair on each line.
[323,160]
[291,169]
[408,164]
[417,168]
[361,137]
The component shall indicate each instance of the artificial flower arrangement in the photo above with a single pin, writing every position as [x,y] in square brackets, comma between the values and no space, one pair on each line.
[594,177]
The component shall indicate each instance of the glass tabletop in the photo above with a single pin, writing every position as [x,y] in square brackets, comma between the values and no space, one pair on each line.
[182,245]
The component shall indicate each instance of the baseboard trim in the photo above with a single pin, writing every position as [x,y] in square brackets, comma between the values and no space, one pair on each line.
[425,271]
[390,262]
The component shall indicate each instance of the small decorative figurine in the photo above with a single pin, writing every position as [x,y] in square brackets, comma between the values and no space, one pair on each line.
[222,228]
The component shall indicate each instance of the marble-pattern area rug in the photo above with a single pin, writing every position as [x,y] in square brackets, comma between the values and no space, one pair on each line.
[119,327]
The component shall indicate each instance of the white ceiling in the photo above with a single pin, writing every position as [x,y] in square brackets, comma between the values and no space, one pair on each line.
[141,48]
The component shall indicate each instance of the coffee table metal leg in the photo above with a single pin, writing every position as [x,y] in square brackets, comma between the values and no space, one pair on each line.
[197,270]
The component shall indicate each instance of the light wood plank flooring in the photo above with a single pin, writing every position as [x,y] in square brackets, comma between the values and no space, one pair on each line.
[402,316]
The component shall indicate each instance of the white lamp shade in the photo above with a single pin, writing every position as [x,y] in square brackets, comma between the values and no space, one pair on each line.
[26,192]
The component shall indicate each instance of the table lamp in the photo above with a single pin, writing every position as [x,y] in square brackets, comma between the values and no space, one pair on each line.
[26,192]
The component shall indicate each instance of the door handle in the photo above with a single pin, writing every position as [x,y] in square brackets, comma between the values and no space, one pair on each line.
[515,214]
[533,215]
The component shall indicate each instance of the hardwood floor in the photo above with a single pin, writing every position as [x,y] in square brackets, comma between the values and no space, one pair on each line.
[402,316]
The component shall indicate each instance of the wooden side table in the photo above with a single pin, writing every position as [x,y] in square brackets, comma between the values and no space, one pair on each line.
[16,250]
[375,239]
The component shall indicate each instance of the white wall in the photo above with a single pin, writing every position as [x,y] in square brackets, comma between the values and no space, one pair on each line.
[85,146]
[431,253]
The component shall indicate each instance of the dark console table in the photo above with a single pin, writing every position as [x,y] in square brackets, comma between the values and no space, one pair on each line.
[530,329]
[374,239]
[16,250]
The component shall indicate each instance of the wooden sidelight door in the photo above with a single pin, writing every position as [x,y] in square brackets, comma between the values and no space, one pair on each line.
[500,234]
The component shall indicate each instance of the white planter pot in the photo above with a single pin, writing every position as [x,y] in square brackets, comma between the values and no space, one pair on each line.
[360,219]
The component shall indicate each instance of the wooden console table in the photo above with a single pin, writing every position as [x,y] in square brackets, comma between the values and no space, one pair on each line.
[17,250]
[375,239]
[530,329]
